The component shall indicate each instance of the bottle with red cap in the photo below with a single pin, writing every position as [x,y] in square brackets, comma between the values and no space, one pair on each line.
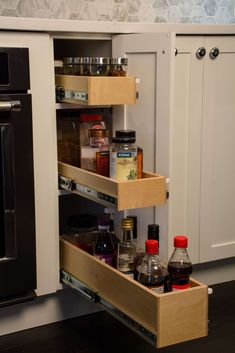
[180,265]
[150,270]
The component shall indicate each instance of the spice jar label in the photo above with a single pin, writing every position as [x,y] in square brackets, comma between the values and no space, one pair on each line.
[123,165]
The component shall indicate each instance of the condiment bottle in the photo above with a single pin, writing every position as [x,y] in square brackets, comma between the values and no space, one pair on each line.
[180,265]
[153,234]
[150,271]
[104,248]
[126,249]
[123,156]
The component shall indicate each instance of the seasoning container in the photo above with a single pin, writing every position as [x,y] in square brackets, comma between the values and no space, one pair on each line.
[58,67]
[98,137]
[67,140]
[95,158]
[77,66]
[99,66]
[86,122]
[123,156]
[68,63]
[116,67]
[85,66]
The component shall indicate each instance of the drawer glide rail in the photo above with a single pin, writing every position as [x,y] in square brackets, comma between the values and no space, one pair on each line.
[72,282]
[89,193]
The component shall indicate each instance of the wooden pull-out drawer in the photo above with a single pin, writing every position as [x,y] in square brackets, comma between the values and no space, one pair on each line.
[173,317]
[90,90]
[145,192]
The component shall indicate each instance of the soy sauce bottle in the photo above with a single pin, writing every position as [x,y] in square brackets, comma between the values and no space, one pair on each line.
[180,265]
[150,270]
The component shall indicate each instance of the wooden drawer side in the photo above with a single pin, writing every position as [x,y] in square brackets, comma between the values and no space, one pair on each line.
[145,192]
[99,90]
[182,316]
[125,294]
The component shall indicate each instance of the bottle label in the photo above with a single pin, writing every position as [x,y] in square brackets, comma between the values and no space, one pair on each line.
[176,287]
[123,165]
[107,258]
[158,290]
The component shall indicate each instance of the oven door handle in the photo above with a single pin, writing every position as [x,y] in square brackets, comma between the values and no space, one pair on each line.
[9,106]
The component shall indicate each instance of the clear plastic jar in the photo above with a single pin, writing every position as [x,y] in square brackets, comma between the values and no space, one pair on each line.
[116,67]
[99,66]
[123,156]
[68,63]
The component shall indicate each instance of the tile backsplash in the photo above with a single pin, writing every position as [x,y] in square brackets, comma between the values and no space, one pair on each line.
[151,11]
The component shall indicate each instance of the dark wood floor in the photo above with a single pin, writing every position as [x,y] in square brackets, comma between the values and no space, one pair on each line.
[100,333]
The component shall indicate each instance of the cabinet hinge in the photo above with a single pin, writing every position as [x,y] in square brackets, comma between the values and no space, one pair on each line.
[76,96]
[72,282]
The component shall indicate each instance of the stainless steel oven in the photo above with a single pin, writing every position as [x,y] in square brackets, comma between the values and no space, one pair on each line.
[17,212]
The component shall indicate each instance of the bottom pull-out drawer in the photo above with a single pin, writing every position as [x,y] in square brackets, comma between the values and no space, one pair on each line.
[171,317]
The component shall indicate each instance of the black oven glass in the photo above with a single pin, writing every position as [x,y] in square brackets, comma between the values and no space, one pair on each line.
[4,70]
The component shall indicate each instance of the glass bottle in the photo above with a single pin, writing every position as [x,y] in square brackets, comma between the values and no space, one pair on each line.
[109,212]
[150,270]
[126,249]
[123,156]
[180,265]
[153,234]
[104,248]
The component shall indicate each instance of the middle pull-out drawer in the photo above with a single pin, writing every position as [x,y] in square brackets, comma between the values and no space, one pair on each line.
[172,317]
[145,192]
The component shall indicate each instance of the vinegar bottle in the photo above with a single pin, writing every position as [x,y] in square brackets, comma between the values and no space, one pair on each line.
[150,270]
[180,265]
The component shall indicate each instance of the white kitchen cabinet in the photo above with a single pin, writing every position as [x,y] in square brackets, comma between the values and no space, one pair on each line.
[203,138]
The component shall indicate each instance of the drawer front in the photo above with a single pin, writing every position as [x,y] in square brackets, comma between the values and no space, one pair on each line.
[145,192]
[173,317]
[97,90]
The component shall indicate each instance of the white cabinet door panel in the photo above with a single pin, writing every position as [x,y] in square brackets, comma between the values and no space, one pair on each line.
[217,231]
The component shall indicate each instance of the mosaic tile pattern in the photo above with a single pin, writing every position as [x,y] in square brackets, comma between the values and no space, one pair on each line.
[151,11]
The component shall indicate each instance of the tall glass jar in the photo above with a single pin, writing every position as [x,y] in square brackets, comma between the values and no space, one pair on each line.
[123,156]
[126,249]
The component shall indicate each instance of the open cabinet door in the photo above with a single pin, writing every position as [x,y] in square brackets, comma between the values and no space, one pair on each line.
[150,61]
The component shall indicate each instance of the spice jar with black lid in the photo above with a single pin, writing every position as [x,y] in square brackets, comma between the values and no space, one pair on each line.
[123,156]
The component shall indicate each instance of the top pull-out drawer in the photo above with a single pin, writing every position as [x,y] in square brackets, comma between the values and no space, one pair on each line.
[91,90]
[170,317]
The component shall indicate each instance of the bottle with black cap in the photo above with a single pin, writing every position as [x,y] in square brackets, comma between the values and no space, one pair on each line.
[123,156]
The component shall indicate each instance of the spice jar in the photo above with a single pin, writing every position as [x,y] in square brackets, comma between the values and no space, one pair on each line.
[68,66]
[123,156]
[116,67]
[77,66]
[98,137]
[58,67]
[95,158]
[85,66]
[99,66]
